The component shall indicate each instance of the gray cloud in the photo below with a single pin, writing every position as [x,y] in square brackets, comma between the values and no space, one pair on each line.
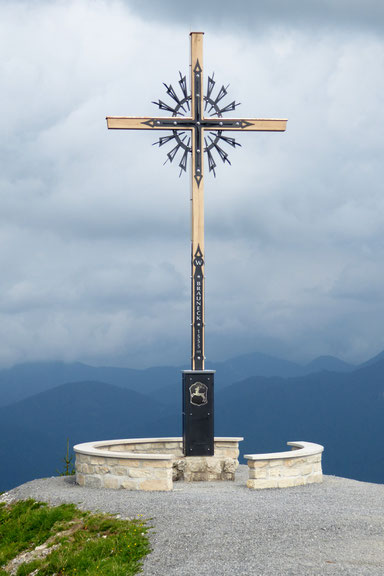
[94,231]
[255,16]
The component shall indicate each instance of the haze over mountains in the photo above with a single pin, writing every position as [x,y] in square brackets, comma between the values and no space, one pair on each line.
[267,400]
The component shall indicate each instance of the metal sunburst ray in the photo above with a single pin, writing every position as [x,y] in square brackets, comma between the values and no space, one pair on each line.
[163,140]
[163,106]
[180,106]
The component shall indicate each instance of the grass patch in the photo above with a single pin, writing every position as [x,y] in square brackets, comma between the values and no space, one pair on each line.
[76,543]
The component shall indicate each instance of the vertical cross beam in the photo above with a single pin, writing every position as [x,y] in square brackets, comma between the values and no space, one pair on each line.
[198,383]
[197,204]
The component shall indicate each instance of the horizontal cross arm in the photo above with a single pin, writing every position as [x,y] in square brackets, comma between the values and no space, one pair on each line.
[248,124]
[147,123]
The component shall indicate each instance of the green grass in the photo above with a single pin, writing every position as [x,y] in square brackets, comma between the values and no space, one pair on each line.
[89,544]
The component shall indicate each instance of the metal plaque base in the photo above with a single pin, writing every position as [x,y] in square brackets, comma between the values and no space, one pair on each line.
[198,431]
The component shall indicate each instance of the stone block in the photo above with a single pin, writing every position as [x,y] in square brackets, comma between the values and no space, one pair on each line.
[214,477]
[228,476]
[120,470]
[258,473]
[257,463]
[196,464]
[288,462]
[155,463]
[171,445]
[224,444]
[306,469]
[275,472]
[80,479]
[313,459]
[144,448]
[276,462]
[227,453]
[262,484]
[92,481]
[214,466]
[290,472]
[230,465]
[295,461]
[111,482]
[196,476]
[156,485]
[110,462]
[101,469]
[158,473]
[98,460]
[300,481]
[140,473]
[286,482]
[317,477]
[131,462]
[129,484]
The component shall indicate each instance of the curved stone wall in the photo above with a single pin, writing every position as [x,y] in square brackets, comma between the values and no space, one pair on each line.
[300,466]
[151,463]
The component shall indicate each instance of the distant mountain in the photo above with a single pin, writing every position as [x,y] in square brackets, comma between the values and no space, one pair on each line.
[164,382]
[255,364]
[344,412]
[329,363]
[34,432]
[378,358]
[25,380]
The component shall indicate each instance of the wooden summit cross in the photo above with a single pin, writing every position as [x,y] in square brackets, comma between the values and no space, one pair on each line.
[196,133]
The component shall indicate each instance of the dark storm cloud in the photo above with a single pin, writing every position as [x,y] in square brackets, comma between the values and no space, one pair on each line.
[255,15]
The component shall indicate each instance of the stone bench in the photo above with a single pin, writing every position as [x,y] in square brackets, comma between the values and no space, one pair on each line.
[300,466]
[151,463]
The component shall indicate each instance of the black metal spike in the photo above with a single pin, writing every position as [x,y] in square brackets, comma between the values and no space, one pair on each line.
[211,85]
[222,153]
[231,141]
[163,140]
[183,85]
[171,92]
[172,153]
[163,106]
[211,163]
[222,92]
[183,162]
[229,107]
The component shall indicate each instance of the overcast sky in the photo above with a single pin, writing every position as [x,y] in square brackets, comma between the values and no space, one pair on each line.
[94,229]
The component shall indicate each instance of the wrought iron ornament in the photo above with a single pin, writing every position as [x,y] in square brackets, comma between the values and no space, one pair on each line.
[213,107]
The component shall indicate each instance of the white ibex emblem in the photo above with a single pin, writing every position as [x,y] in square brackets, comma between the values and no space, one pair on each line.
[199,394]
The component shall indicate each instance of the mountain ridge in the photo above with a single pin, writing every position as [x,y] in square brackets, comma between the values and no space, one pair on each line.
[343,411]
[25,380]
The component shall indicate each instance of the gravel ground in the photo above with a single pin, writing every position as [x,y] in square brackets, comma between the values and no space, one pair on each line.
[224,529]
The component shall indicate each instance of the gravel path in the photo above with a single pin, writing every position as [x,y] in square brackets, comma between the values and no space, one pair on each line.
[224,529]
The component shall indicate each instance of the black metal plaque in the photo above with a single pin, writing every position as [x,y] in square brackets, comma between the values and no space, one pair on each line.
[198,431]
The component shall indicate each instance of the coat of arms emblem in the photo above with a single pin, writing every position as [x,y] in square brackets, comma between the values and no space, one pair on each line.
[198,394]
